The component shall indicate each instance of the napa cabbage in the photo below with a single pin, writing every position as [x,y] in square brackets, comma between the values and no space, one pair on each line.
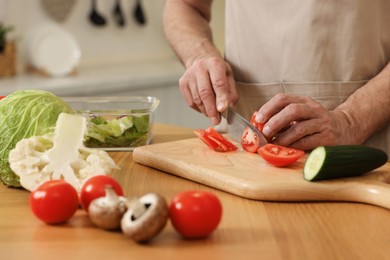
[23,114]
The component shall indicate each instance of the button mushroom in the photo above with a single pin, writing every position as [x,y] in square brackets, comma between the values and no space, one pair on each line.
[106,212]
[145,218]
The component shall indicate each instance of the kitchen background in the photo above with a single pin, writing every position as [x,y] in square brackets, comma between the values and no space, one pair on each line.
[134,59]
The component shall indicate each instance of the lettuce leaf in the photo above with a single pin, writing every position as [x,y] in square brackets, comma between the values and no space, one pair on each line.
[125,131]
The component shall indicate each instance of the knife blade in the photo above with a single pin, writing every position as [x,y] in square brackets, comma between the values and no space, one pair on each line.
[236,125]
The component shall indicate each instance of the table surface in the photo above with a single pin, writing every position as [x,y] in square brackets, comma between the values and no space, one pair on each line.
[249,229]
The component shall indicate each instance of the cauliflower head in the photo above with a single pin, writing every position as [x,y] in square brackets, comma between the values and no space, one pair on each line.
[61,155]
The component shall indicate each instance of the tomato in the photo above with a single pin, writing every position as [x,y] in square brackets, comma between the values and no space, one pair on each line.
[259,126]
[250,141]
[280,155]
[94,188]
[215,140]
[195,214]
[1,97]
[54,201]
[218,138]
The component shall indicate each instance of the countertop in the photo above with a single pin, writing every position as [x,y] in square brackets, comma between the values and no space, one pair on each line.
[249,229]
[95,80]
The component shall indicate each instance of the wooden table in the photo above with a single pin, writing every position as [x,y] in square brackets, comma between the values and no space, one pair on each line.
[249,229]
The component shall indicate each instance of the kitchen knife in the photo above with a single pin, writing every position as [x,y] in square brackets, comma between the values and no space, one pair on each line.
[236,125]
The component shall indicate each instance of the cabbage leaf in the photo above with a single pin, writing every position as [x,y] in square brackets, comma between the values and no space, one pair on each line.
[23,114]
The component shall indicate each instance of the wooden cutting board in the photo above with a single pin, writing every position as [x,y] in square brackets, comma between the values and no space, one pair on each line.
[249,176]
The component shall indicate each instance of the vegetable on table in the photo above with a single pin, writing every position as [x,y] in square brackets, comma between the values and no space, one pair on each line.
[328,162]
[279,155]
[61,155]
[23,114]
[215,140]
[54,201]
[95,187]
[195,214]
[145,217]
[106,212]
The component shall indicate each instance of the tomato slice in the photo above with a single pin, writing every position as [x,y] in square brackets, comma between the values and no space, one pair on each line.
[1,97]
[215,140]
[250,141]
[279,155]
[213,133]
[202,136]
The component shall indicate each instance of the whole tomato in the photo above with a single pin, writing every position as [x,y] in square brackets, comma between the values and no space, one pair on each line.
[195,214]
[94,188]
[54,201]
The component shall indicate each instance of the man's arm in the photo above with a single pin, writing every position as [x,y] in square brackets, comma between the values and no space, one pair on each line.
[368,109]
[207,85]
[186,25]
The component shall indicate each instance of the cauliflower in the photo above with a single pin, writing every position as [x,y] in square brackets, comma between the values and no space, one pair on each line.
[61,155]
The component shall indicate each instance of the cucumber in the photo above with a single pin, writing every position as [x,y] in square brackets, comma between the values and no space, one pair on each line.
[329,162]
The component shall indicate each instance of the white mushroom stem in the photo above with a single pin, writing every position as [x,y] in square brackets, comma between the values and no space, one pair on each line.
[145,217]
[137,207]
[111,196]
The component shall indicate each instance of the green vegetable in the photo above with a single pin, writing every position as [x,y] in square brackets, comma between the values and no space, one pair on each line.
[328,162]
[61,155]
[23,114]
[124,131]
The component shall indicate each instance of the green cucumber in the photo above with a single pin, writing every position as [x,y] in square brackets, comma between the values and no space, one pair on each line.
[329,162]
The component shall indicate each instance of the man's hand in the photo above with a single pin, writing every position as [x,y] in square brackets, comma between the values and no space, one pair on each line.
[208,86]
[302,123]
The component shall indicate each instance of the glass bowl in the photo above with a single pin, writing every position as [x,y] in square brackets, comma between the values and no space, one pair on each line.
[116,123]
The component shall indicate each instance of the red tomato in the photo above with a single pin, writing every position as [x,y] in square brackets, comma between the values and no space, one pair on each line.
[280,155]
[213,134]
[195,214]
[1,97]
[250,141]
[54,201]
[259,126]
[215,140]
[94,188]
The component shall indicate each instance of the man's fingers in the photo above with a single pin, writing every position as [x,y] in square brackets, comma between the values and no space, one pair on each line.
[277,104]
[219,81]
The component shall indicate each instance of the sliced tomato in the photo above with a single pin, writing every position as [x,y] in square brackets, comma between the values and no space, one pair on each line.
[259,126]
[250,141]
[1,97]
[215,140]
[202,136]
[213,133]
[279,155]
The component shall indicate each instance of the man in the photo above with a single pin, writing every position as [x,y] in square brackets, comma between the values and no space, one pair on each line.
[317,72]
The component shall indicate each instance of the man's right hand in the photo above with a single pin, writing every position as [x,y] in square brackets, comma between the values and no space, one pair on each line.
[208,86]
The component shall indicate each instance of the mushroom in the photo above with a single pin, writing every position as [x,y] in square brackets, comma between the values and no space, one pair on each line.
[106,212]
[145,218]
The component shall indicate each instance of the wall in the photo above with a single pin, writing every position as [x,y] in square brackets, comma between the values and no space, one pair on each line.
[103,45]
[112,52]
